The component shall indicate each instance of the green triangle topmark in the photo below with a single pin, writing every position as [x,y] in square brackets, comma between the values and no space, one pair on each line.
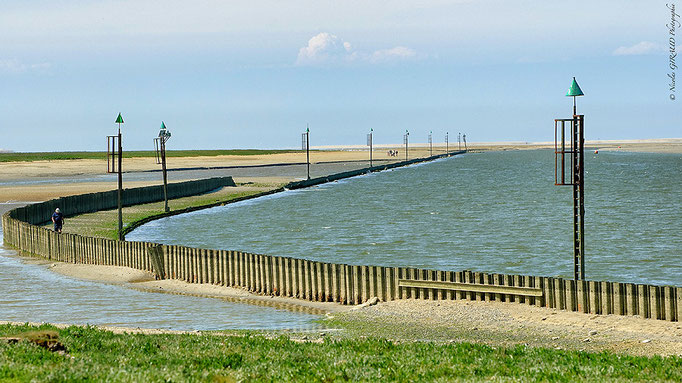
[575,90]
[119,119]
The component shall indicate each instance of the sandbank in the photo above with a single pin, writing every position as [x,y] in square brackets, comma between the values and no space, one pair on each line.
[43,180]
[146,281]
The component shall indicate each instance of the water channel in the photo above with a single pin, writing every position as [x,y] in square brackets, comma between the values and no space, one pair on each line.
[30,292]
[490,212]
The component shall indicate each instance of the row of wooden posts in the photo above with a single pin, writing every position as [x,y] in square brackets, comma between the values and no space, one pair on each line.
[328,282]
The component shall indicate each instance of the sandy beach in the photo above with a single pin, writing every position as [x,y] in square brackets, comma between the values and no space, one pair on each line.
[42,180]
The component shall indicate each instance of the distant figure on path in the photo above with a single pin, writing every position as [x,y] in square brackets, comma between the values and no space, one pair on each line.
[58,220]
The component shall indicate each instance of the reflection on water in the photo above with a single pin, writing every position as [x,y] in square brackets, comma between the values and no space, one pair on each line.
[491,212]
[30,292]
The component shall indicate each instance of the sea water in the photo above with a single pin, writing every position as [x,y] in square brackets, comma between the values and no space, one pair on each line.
[496,212]
[30,292]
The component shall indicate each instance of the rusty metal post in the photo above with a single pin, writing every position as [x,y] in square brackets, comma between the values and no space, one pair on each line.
[120,185]
[580,120]
[165,176]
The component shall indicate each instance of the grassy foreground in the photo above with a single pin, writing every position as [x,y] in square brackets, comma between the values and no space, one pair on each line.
[96,355]
[43,156]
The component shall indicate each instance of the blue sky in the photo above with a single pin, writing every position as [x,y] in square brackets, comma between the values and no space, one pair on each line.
[251,74]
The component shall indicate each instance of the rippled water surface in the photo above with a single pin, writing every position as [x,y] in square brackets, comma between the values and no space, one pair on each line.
[31,292]
[491,212]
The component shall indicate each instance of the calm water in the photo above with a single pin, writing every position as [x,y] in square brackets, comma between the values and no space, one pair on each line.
[30,292]
[490,212]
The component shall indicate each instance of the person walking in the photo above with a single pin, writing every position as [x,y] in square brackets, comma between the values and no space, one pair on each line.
[58,220]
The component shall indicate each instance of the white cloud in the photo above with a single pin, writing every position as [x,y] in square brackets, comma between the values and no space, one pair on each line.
[323,47]
[11,66]
[14,66]
[326,48]
[397,53]
[641,48]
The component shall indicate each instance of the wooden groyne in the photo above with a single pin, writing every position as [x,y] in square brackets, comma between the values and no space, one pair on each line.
[318,281]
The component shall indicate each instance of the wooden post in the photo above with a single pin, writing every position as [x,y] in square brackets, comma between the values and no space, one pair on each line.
[299,284]
[643,301]
[328,277]
[343,284]
[605,298]
[320,293]
[678,304]
[335,282]
[654,302]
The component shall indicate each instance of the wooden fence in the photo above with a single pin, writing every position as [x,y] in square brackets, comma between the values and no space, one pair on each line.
[320,281]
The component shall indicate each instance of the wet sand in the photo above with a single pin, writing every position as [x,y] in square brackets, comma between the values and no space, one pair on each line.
[494,323]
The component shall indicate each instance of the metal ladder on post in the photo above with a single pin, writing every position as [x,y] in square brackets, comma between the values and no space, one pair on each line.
[576,152]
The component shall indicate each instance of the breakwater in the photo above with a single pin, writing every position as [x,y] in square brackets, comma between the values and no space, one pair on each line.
[347,284]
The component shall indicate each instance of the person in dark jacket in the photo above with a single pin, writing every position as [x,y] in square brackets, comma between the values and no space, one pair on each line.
[58,220]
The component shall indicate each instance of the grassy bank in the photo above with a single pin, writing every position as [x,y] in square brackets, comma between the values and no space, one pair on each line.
[96,355]
[50,156]
[104,224]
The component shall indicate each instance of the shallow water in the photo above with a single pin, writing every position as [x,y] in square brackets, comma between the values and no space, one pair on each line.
[492,212]
[31,292]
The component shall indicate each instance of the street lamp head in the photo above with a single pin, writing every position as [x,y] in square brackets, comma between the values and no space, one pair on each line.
[574,90]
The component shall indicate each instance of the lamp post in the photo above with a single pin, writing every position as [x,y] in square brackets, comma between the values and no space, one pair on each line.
[464,137]
[369,143]
[119,121]
[446,143]
[430,144]
[575,152]
[164,135]
[405,139]
[459,141]
[305,145]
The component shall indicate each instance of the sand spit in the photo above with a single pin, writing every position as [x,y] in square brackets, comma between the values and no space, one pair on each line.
[142,280]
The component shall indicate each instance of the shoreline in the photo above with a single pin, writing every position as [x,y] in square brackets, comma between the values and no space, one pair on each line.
[665,338]
[492,323]
[43,180]
[145,281]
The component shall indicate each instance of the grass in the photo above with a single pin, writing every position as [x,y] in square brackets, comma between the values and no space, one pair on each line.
[104,224]
[97,355]
[51,156]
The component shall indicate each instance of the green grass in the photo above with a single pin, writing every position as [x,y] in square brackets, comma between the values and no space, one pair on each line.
[97,355]
[41,156]
[104,224]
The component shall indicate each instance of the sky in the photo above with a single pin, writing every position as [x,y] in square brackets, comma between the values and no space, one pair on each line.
[252,74]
